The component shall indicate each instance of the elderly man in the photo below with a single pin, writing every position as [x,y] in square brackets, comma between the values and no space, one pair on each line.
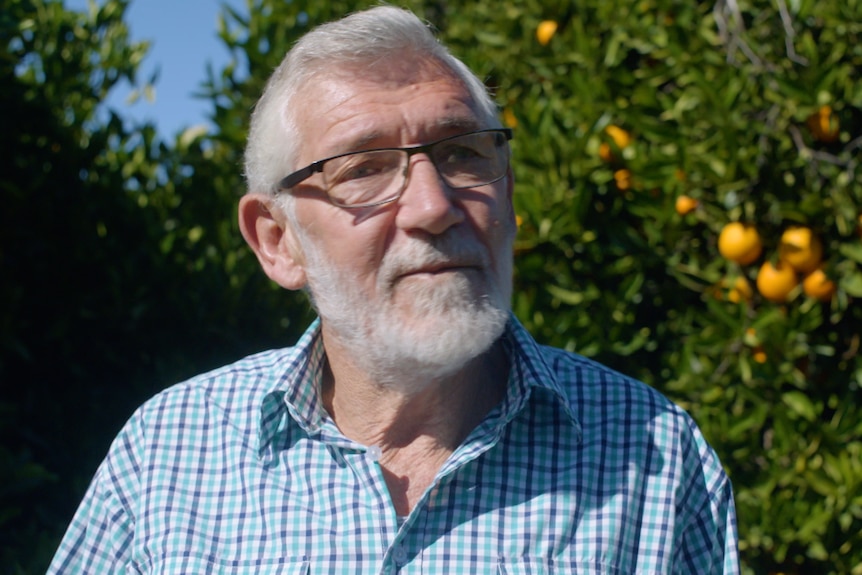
[415,427]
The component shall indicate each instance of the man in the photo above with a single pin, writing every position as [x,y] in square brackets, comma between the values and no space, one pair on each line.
[415,427]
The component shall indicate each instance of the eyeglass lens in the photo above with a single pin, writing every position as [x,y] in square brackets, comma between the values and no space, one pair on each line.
[376,176]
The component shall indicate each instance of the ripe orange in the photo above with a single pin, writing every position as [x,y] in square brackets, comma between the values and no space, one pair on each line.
[623,179]
[605,152]
[759,355]
[801,249]
[509,118]
[545,31]
[824,125]
[740,243]
[741,290]
[620,137]
[775,282]
[685,205]
[817,285]
[732,289]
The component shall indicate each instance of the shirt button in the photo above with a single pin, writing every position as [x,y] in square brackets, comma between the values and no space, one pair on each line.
[374,453]
[399,554]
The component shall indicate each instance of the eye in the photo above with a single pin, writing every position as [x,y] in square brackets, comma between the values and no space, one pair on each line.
[358,167]
[459,153]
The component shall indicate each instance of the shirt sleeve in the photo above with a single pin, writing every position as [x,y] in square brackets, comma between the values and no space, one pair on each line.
[709,541]
[99,537]
[730,553]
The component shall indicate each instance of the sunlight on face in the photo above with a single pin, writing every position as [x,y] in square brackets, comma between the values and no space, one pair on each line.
[429,325]
[420,286]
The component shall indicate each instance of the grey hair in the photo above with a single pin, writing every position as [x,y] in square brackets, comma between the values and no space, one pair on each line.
[358,43]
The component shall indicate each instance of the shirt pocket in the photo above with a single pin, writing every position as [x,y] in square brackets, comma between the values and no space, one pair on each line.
[543,566]
[195,565]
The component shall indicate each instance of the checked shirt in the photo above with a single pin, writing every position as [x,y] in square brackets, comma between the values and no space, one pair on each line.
[240,470]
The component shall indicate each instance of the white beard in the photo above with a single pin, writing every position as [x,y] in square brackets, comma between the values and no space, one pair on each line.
[415,329]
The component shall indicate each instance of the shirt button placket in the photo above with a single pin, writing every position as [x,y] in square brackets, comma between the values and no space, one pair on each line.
[399,555]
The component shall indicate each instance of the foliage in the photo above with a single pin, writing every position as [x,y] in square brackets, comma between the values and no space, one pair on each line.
[122,263]
[752,109]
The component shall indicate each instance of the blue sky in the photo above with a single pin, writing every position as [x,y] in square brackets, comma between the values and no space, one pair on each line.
[183,36]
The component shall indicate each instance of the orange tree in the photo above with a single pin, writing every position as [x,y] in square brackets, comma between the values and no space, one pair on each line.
[642,130]
[753,113]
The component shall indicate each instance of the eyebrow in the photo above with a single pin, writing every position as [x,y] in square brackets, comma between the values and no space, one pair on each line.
[465,123]
[366,141]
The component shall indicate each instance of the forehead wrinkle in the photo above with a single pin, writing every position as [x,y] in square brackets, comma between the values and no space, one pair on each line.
[365,141]
[458,114]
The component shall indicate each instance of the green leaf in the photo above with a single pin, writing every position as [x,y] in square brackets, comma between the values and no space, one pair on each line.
[852,250]
[566,296]
[852,284]
[800,404]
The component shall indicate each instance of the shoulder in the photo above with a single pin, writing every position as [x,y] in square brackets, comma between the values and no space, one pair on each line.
[230,388]
[221,405]
[618,411]
[597,392]
[590,389]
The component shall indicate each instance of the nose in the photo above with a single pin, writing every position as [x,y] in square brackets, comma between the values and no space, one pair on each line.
[426,202]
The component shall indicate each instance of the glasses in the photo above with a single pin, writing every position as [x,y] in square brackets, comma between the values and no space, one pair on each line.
[375,177]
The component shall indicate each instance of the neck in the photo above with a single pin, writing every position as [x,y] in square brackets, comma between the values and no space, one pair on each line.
[392,414]
[417,425]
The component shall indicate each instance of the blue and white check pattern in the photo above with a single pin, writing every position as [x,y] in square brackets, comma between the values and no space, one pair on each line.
[579,470]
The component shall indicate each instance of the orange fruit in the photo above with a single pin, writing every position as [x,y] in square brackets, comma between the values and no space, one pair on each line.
[732,289]
[685,205]
[739,243]
[620,137]
[759,355]
[775,282]
[545,31]
[509,118]
[824,125]
[623,179]
[605,152]
[800,248]
[817,285]
[741,290]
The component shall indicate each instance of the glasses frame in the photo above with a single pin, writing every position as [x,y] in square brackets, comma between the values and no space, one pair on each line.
[299,176]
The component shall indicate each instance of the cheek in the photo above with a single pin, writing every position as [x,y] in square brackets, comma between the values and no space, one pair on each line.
[502,222]
[338,237]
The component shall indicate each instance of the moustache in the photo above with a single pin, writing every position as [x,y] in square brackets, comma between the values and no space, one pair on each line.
[432,254]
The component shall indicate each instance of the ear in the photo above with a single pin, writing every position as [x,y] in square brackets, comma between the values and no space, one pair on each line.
[266,230]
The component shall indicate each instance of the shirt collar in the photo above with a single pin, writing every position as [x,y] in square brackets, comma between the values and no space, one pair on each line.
[298,377]
[529,372]
[295,391]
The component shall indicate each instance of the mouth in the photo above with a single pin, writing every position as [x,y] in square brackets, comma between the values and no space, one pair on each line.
[438,269]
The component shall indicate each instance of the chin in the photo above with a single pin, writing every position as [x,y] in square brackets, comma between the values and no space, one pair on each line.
[440,338]
[428,336]
[438,354]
